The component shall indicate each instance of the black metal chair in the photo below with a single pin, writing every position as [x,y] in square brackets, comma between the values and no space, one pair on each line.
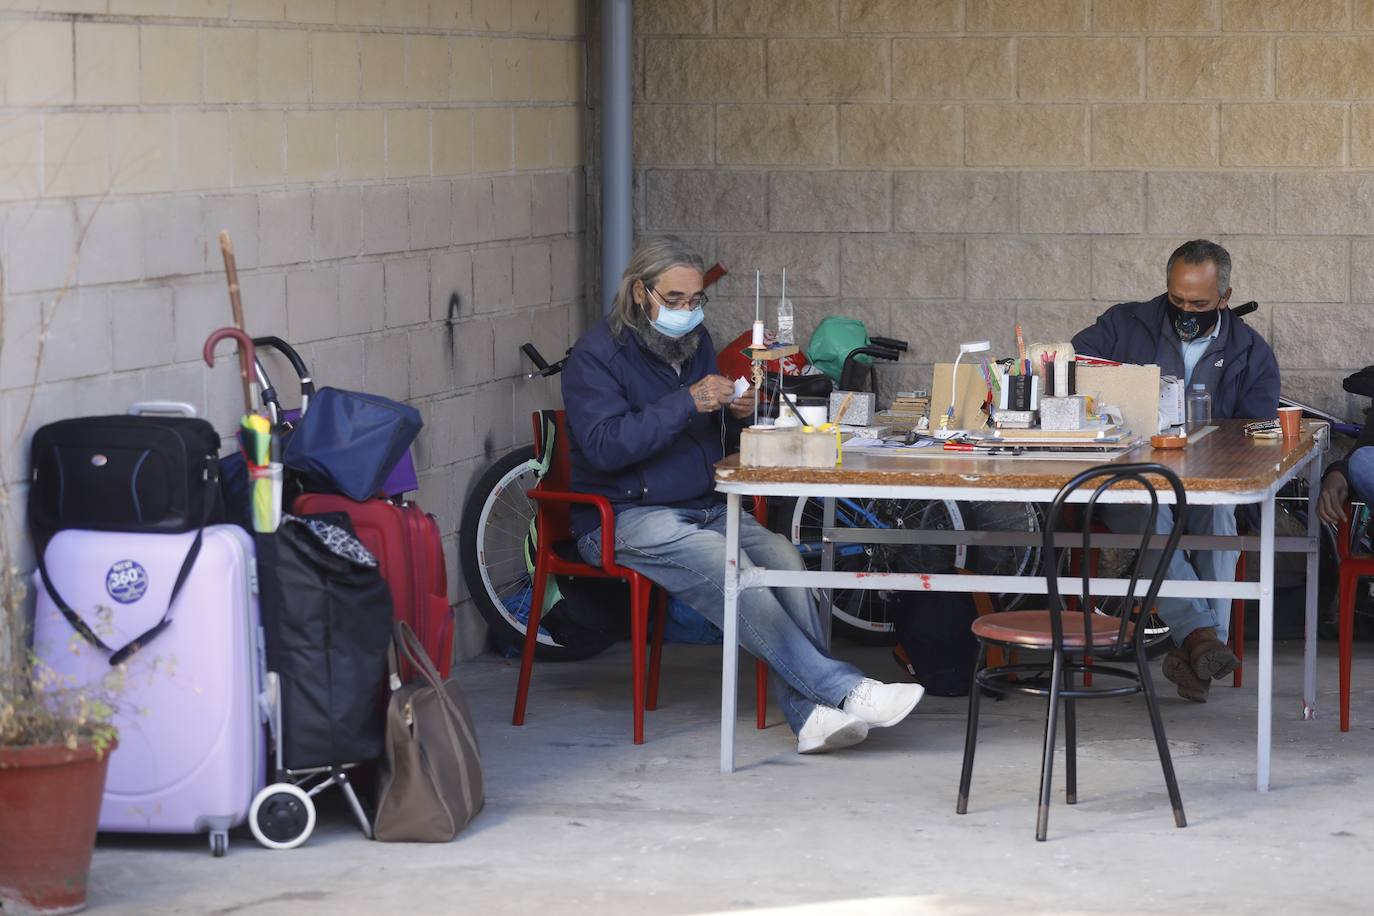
[1070,635]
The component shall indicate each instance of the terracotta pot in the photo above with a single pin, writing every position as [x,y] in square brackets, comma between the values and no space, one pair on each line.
[51,799]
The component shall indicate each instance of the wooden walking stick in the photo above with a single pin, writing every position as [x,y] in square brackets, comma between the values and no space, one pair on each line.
[231,272]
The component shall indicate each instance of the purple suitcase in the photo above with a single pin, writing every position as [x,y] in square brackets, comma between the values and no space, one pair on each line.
[192,736]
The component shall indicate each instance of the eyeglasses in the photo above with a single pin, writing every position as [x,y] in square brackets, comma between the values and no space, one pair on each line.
[679,302]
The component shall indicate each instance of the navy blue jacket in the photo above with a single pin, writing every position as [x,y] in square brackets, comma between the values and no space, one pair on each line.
[634,431]
[1135,332]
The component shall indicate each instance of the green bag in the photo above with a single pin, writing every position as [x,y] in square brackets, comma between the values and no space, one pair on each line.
[832,342]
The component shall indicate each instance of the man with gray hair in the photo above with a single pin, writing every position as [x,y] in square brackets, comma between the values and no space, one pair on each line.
[646,419]
[1189,333]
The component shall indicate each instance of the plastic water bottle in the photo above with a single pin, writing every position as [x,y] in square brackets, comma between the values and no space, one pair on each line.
[785,321]
[1199,406]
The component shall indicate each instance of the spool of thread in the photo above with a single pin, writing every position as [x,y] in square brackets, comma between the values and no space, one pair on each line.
[757,339]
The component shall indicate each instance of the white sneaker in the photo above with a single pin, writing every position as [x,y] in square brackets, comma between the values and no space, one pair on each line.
[881,705]
[829,729]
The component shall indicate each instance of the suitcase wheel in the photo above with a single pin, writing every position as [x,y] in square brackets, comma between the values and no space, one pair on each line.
[282,816]
[219,843]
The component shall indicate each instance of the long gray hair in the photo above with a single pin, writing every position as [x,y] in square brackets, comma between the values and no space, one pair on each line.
[650,261]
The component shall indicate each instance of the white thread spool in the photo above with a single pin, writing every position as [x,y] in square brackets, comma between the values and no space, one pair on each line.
[757,340]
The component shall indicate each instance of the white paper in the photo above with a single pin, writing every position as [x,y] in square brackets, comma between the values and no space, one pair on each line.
[741,386]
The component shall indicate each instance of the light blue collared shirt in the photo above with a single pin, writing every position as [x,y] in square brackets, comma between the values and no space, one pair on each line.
[1194,350]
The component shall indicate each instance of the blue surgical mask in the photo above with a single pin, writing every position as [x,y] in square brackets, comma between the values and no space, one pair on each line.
[677,322]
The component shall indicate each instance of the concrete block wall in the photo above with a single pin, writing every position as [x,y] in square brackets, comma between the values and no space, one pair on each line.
[946,168]
[402,179]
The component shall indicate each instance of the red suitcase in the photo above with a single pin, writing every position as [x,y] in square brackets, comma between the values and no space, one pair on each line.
[405,540]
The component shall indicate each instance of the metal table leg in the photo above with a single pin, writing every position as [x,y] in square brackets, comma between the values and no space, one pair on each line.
[730,653]
[1266,645]
[828,565]
[1309,646]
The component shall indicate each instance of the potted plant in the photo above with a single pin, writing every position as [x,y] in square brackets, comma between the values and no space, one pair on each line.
[55,744]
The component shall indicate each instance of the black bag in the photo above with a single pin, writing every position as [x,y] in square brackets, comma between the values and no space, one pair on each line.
[326,616]
[936,630]
[1361,383]
[146,474]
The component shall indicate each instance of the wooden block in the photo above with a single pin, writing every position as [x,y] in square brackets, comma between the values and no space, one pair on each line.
[787,448]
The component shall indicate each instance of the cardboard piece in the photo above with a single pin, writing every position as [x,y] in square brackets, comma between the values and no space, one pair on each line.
[1133,389]
[968,413]
[787,448]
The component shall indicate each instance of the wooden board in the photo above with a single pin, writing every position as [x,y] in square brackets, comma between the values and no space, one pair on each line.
[1134,389]
[972,389]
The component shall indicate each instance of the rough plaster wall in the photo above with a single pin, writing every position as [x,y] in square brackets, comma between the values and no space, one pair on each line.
[943,169]
[371,159]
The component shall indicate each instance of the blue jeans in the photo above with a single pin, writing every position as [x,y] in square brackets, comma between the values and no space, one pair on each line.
[683,550]
[1359,469]
[1184,615]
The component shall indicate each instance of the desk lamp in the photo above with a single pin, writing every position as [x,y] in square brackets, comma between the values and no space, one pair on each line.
[971,346]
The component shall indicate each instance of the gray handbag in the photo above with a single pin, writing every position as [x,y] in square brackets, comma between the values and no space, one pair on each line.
[430,779]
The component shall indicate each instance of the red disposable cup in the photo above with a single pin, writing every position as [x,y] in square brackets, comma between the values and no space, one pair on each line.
[1290,421]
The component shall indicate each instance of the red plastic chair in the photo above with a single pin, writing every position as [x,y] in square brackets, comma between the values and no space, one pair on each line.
[556,554]
[1353,567]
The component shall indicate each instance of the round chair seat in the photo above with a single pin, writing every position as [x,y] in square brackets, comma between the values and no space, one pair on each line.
[1031,629]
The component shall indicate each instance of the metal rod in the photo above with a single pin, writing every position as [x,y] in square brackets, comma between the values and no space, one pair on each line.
[1309,647]
[1265,714]
[758,577]
[846,535]
[616,146]
[730,656]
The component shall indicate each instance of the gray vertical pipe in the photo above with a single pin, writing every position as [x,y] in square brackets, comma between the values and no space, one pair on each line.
[616,159]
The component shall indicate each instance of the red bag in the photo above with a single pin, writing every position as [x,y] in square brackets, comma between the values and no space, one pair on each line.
[406,542]
[733,360]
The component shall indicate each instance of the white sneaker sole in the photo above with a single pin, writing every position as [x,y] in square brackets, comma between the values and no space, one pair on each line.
[888,723]
[847,735]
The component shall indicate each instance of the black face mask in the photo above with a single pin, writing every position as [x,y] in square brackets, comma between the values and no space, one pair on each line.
[1191,325]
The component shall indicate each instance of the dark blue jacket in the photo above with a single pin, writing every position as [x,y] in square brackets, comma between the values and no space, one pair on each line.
[634,431]
[1135,332]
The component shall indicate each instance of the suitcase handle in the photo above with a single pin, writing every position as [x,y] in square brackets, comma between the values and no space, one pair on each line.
[180,408]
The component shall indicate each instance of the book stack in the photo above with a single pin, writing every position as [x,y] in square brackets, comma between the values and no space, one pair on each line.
[908,407]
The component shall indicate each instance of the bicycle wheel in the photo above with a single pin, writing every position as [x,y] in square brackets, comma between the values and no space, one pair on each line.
[491,553]
[867,615]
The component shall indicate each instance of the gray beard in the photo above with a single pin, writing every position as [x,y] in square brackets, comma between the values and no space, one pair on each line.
[669,349]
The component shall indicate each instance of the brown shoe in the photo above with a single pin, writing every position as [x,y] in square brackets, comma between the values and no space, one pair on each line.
[1178,668]
[1211,658]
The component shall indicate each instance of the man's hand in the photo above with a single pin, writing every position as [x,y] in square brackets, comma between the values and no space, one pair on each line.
[712,393]
[743,406]
[1335,494]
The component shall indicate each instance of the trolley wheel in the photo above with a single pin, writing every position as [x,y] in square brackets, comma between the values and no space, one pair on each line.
[282,816]
[219,843]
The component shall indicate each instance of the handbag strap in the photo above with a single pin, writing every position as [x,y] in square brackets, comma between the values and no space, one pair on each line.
[119,656]
[414,651]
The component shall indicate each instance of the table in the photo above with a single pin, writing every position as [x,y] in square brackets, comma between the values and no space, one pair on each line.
[1224,467]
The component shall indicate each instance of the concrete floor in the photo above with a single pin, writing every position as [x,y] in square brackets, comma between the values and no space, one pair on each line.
[578,820]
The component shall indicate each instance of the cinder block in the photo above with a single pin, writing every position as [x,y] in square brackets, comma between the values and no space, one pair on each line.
[362,145]
[141,152]
[76,154]
[511,204]
[509,332]
[311,146]
[256,140]
[106,63]
[40,245]
[706,200]
[827,68]
[338,222]
[384,67]
[1155,15]
[776,16]
[1361,134]
[38,64]
[340,361]
[1080,68]
[829,202]
[133,311]
[1307,134]
[407,292]
[470,80]
[1154,135]
[1231,67]
[472,210]
[566,267]
[172,67]
[532,280]
[237,213]
[1318,336]
[1211,203]
[881,267]
[21,159]
[493,287]
[314,11]
[566,145]
[1025,16]
[532,138]
[386,368]
[1364,15]
[891,134]
[335,66]
[1130,270]
[362,297]
[551,208]
[493,139]
[231,64]
[1324,68]
[935,330]
[952,68]
[286,233]
[1288,270]
[1272,16]
[673,134]
[703,69]
[956,201]
[511,79]
[78,342]
[775,134]
[1025,134]
[312,304]
[431,214]
[450,275]
[259,10]
[385,214]
[173,242]
[1000,268]
[680,17]
[1362,271]
[493,416]
[552,335]
[202,150]
[888,16]
[20,326]
[112,249]
[201,306]
[431,363]
[427,66]
[470,350]
[407,143]
[264,302]
[451,141]
[1087,202]
[813,265]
